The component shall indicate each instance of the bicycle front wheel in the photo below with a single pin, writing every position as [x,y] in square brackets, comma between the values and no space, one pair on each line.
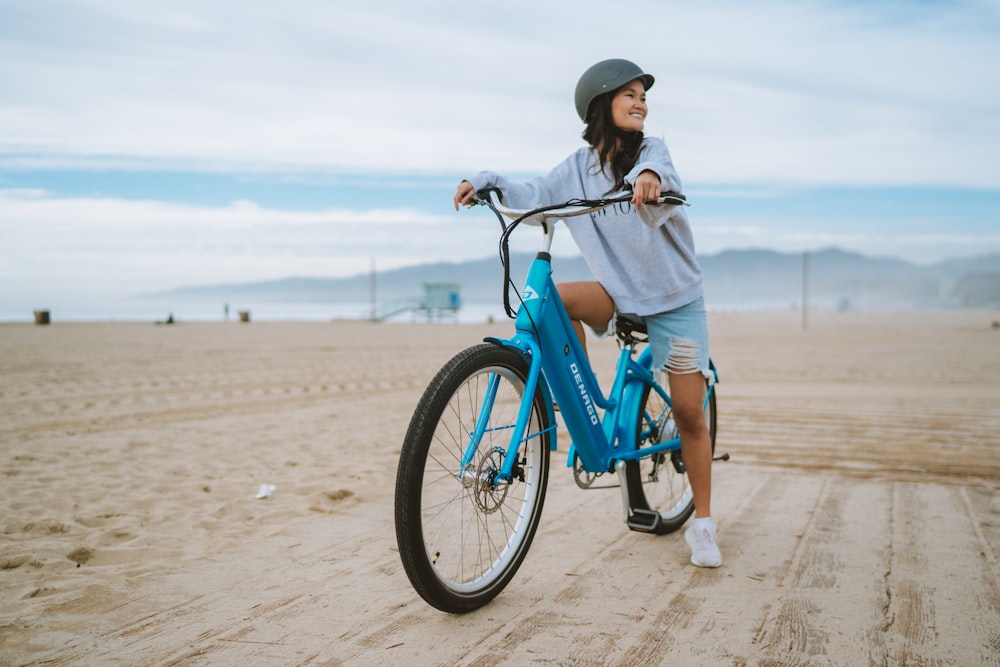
[659,483]
[461,535]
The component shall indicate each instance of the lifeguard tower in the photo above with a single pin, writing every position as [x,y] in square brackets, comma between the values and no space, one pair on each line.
[441,301]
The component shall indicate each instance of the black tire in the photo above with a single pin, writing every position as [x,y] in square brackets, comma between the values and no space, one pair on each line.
[461,538]
[659,483]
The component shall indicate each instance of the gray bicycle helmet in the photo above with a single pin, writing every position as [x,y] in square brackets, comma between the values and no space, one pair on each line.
[604,77]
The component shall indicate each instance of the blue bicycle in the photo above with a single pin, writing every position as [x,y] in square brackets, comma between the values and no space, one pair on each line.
[475,462]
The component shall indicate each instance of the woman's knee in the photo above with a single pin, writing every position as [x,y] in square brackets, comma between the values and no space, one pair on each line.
[587,301]
[688,394]
[689,419]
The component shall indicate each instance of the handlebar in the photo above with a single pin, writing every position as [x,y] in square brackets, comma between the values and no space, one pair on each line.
[492,198]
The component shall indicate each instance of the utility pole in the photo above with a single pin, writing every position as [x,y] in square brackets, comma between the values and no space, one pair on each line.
[805,289]
[371,290]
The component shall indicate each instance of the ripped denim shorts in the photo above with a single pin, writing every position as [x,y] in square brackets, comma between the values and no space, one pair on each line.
[679,338]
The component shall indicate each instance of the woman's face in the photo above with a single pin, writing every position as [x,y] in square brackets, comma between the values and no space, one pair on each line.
[628,107]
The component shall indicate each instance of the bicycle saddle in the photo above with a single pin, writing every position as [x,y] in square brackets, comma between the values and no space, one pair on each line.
[630,330]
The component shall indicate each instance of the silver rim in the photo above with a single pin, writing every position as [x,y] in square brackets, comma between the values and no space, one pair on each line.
[472,528]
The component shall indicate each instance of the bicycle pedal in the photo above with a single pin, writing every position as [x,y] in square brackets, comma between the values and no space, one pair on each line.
[643,521]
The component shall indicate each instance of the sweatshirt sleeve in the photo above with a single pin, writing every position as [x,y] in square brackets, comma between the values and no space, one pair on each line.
[655,157]
[553,188]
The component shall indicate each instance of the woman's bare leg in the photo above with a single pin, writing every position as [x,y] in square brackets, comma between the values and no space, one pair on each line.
[587,303]
[687,391]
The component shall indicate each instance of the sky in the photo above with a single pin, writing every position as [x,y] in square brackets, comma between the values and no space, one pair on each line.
[148,146]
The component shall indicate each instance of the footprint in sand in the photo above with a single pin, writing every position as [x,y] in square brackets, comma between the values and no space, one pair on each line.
[80,555]
[332,497]
[13,562]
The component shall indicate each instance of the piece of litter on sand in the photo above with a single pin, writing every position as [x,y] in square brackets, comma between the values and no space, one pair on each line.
[265,491]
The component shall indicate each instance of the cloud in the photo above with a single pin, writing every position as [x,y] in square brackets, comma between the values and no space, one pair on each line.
[833,92]
[120,247]
[87,245]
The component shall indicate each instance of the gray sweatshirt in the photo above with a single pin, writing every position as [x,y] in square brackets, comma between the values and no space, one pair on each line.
[644,259]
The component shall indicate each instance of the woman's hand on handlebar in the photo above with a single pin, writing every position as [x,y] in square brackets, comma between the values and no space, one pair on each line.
[465,193]
[646,188]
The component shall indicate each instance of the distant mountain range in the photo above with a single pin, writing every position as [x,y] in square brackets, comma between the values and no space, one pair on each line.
[733,279]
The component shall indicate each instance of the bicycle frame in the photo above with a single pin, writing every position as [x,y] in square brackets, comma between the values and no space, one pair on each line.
[557,361]
[558,364]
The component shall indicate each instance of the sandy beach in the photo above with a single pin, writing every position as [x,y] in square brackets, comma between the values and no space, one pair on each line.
[859,515]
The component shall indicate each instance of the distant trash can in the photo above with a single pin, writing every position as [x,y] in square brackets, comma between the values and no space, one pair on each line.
[41,317]
[244,316]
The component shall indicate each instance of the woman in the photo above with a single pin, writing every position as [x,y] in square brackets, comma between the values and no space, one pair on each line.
[642,257]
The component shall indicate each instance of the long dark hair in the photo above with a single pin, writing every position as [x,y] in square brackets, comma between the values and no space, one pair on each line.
[616,149]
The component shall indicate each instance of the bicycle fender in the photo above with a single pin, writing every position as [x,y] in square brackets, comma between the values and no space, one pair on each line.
[543,384]
[632,400]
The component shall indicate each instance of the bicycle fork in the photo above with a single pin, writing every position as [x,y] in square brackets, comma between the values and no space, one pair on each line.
[507,466]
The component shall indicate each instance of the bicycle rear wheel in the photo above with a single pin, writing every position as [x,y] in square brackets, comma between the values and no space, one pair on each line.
[659,483]
[462,537]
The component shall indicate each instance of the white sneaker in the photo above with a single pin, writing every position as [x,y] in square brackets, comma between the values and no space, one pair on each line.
[700,536]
